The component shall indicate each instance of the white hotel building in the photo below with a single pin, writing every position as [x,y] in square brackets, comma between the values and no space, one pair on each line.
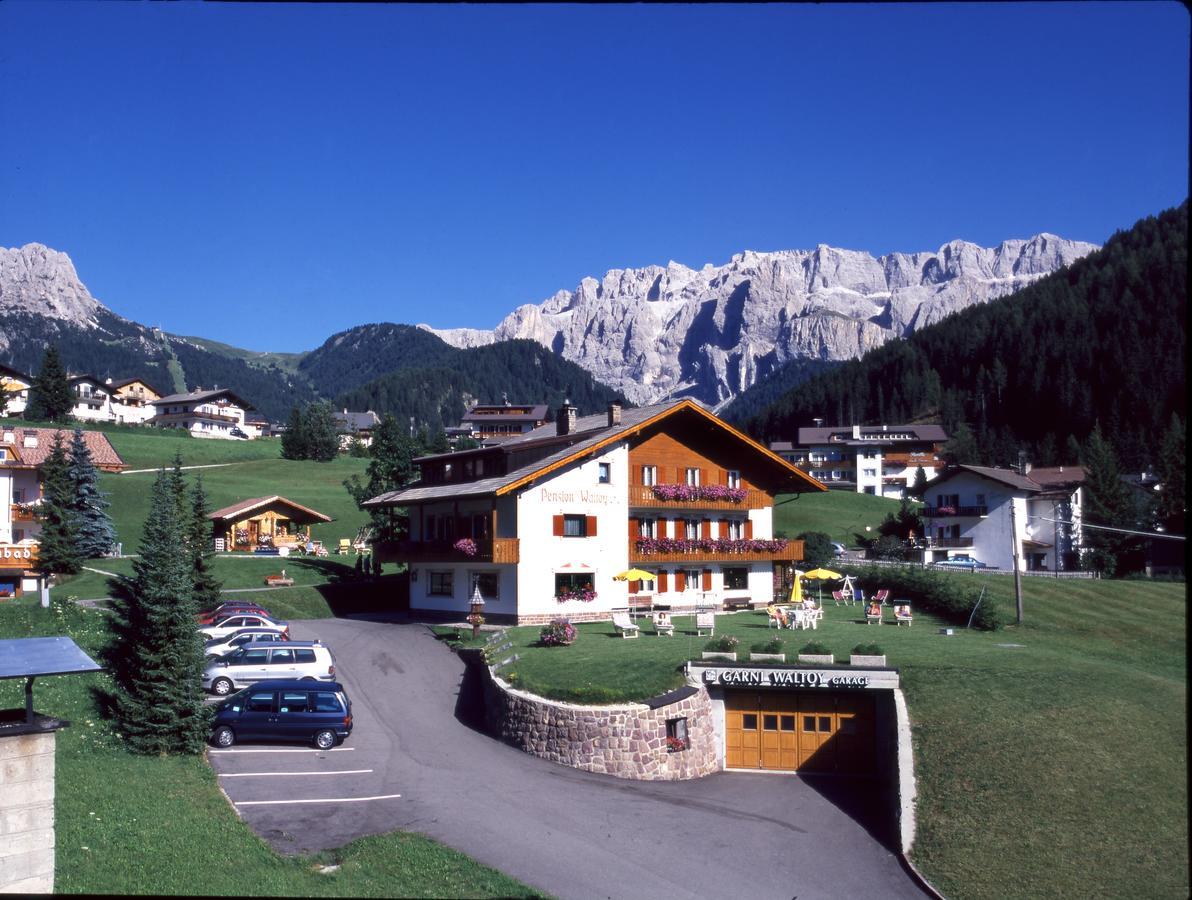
[543,521]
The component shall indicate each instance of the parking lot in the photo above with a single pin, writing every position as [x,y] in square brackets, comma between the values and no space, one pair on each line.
[412,764]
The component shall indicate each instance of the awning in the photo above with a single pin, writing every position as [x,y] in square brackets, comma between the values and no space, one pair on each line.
[1029,543]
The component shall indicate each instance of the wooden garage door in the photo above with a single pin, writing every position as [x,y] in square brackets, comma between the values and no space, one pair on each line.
[799,731]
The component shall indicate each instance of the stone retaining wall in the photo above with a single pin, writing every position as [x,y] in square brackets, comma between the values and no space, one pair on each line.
[627,740]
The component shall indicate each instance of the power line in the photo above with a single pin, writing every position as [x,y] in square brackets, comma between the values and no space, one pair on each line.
[1151,534]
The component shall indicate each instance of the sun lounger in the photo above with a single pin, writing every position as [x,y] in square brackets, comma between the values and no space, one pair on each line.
[626,628]
[705,621]
[663,624]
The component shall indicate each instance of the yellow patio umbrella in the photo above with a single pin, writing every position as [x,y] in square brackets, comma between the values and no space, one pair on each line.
[634,575]
[822,575]
[797,590]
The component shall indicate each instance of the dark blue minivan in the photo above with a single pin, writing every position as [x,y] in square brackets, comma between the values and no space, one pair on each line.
[307,711]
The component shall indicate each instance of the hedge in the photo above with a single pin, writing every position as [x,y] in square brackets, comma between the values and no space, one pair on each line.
[932,592]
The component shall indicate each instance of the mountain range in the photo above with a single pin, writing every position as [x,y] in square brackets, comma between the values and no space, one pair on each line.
[644,334]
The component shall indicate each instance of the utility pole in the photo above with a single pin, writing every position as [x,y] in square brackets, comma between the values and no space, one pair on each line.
[1017,573]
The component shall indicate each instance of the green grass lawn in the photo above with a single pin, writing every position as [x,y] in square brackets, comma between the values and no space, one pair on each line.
[1054,768]
[159,825]
[839,514]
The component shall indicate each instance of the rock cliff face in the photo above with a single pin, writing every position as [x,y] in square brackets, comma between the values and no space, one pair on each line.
[35,280]
[671,331]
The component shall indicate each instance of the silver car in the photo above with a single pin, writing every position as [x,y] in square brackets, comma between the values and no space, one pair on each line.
[295,660]
[237,639]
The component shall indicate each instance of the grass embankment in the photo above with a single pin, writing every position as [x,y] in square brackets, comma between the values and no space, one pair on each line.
[1053,768]
[159,825]
[841,515]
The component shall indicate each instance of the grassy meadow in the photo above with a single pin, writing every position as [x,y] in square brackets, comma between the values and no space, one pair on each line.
[840,514]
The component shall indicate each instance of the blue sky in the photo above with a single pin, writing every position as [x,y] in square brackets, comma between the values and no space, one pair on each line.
[267,175]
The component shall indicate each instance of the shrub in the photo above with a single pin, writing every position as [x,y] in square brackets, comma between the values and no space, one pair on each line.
[868,650]
[725,644]
[817,549]
[775,645]
[935,592]
[557,633]
[815,647]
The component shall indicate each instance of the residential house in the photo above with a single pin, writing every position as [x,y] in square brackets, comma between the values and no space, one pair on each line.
[93,399]
[132,399]
[257,425]
[22,453]
[868,459]
[986,512]
[355,426]
[15,386]
[540,524]
[218,413]
[498,422]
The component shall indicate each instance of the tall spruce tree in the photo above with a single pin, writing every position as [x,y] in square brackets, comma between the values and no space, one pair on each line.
[96,534]
[58,550]
[1173,473]
[1109,502]
[392,466]
[294,443]
[322,437]
[156,656]
[206,585]
[50,396]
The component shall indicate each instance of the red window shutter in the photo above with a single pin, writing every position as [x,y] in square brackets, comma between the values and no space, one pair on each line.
[723,529]
[721,476]
[558,520]
[680,581]
[634,529]
[749,529]
[707,579]
[633,587]
[705,530]
[591,526]
[662,582]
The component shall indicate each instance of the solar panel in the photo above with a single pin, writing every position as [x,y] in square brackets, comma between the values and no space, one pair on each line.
[22,657]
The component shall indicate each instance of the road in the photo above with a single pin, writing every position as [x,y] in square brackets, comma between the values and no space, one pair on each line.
[413,764]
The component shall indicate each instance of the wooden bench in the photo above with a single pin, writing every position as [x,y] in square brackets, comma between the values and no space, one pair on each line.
[278,581]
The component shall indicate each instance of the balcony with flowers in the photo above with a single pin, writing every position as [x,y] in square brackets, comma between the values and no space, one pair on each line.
[500,550]
[660,550]
[940,512]
[696,496]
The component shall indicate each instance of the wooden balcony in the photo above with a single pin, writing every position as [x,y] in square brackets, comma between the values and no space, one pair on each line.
[642,496]
[499,551]
[955,543]
[943,512]
[793,552]
[23,513]
[18,556]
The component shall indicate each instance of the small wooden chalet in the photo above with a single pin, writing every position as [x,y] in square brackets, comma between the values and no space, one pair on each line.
[264,522]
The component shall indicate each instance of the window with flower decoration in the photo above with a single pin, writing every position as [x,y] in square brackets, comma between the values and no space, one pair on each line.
[676,735]
[649,475]
[647,528]
[693,477]
[575,586]
[732,478]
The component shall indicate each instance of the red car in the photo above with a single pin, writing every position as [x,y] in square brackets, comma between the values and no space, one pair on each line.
[233,608]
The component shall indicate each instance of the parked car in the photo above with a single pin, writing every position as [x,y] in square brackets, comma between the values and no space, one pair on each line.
[238,608]
[299,660]
[237,639]
[225,626]
[960,562]
[285,710]
[237,432]
[838,550]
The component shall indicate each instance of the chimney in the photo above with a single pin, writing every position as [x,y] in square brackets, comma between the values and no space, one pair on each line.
[565,421]
[614,414]
[856,432]
[30,439]
[9,437]
[1026,467]
[885,428]
[818,422]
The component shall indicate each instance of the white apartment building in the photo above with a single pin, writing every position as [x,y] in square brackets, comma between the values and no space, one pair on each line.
[205,414]
[15,386]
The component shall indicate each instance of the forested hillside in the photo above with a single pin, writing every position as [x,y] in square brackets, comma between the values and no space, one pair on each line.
[439,395]
[1104,340]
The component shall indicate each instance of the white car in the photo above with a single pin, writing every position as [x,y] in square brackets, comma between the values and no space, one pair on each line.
[231,623]
[838,550]
[237,639]
[290,660]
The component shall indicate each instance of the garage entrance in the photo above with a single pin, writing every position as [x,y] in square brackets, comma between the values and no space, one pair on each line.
[800,731]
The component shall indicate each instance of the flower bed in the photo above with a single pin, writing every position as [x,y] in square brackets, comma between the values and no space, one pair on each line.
[699,492]
[559,632]
[710,545]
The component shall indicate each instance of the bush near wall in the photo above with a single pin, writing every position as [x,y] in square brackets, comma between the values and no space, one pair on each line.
[932,592]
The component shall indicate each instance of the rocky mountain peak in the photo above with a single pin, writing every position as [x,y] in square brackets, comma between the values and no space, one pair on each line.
[37,280]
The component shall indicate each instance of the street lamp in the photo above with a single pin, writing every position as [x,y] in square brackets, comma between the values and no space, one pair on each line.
[477,602]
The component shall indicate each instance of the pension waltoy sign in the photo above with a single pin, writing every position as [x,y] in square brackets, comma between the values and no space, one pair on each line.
[853,678]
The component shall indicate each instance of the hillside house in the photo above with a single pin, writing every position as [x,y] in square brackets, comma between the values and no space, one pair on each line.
[541,523]
[22,453]
[218,413]
[15,385]
[263,523]
[132,399]
[498,421]
[867,459]
[968,511]
[355,426]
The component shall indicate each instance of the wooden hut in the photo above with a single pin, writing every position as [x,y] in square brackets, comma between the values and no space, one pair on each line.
[264,523]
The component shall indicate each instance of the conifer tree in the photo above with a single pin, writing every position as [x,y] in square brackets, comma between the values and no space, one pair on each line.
[1173,473]
[294,442]
[58,550]
[156,656]
[322,438]
[96,535]
[207,586]
[50,396]
[920,482]
[1109,502]
[392,466]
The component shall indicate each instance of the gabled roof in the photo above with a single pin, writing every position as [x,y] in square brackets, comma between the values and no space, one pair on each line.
[871,434]
[76,379]
[493,414]
[202,396]
[238,510]
[356,421]
[9,372]
[591,434]
[103,454]
[1036,481]
[125,382]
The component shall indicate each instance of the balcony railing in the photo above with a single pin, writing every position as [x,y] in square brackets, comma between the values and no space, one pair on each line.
[14,556]
[24,512]
[711,551]
[940,512]
[953,543]
[643,496]
[500,550]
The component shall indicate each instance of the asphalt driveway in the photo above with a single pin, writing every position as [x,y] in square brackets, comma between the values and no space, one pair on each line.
[412,764]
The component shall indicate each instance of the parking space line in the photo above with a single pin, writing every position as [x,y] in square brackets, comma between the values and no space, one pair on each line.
[290,774]
[282,750]
[326,800]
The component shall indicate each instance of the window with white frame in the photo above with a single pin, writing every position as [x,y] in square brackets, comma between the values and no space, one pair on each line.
[693,476]
[647,528]
[870,473]
[649,475]
[692,580]
[733,478]
[691,529]
[604,473]
[736,529]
